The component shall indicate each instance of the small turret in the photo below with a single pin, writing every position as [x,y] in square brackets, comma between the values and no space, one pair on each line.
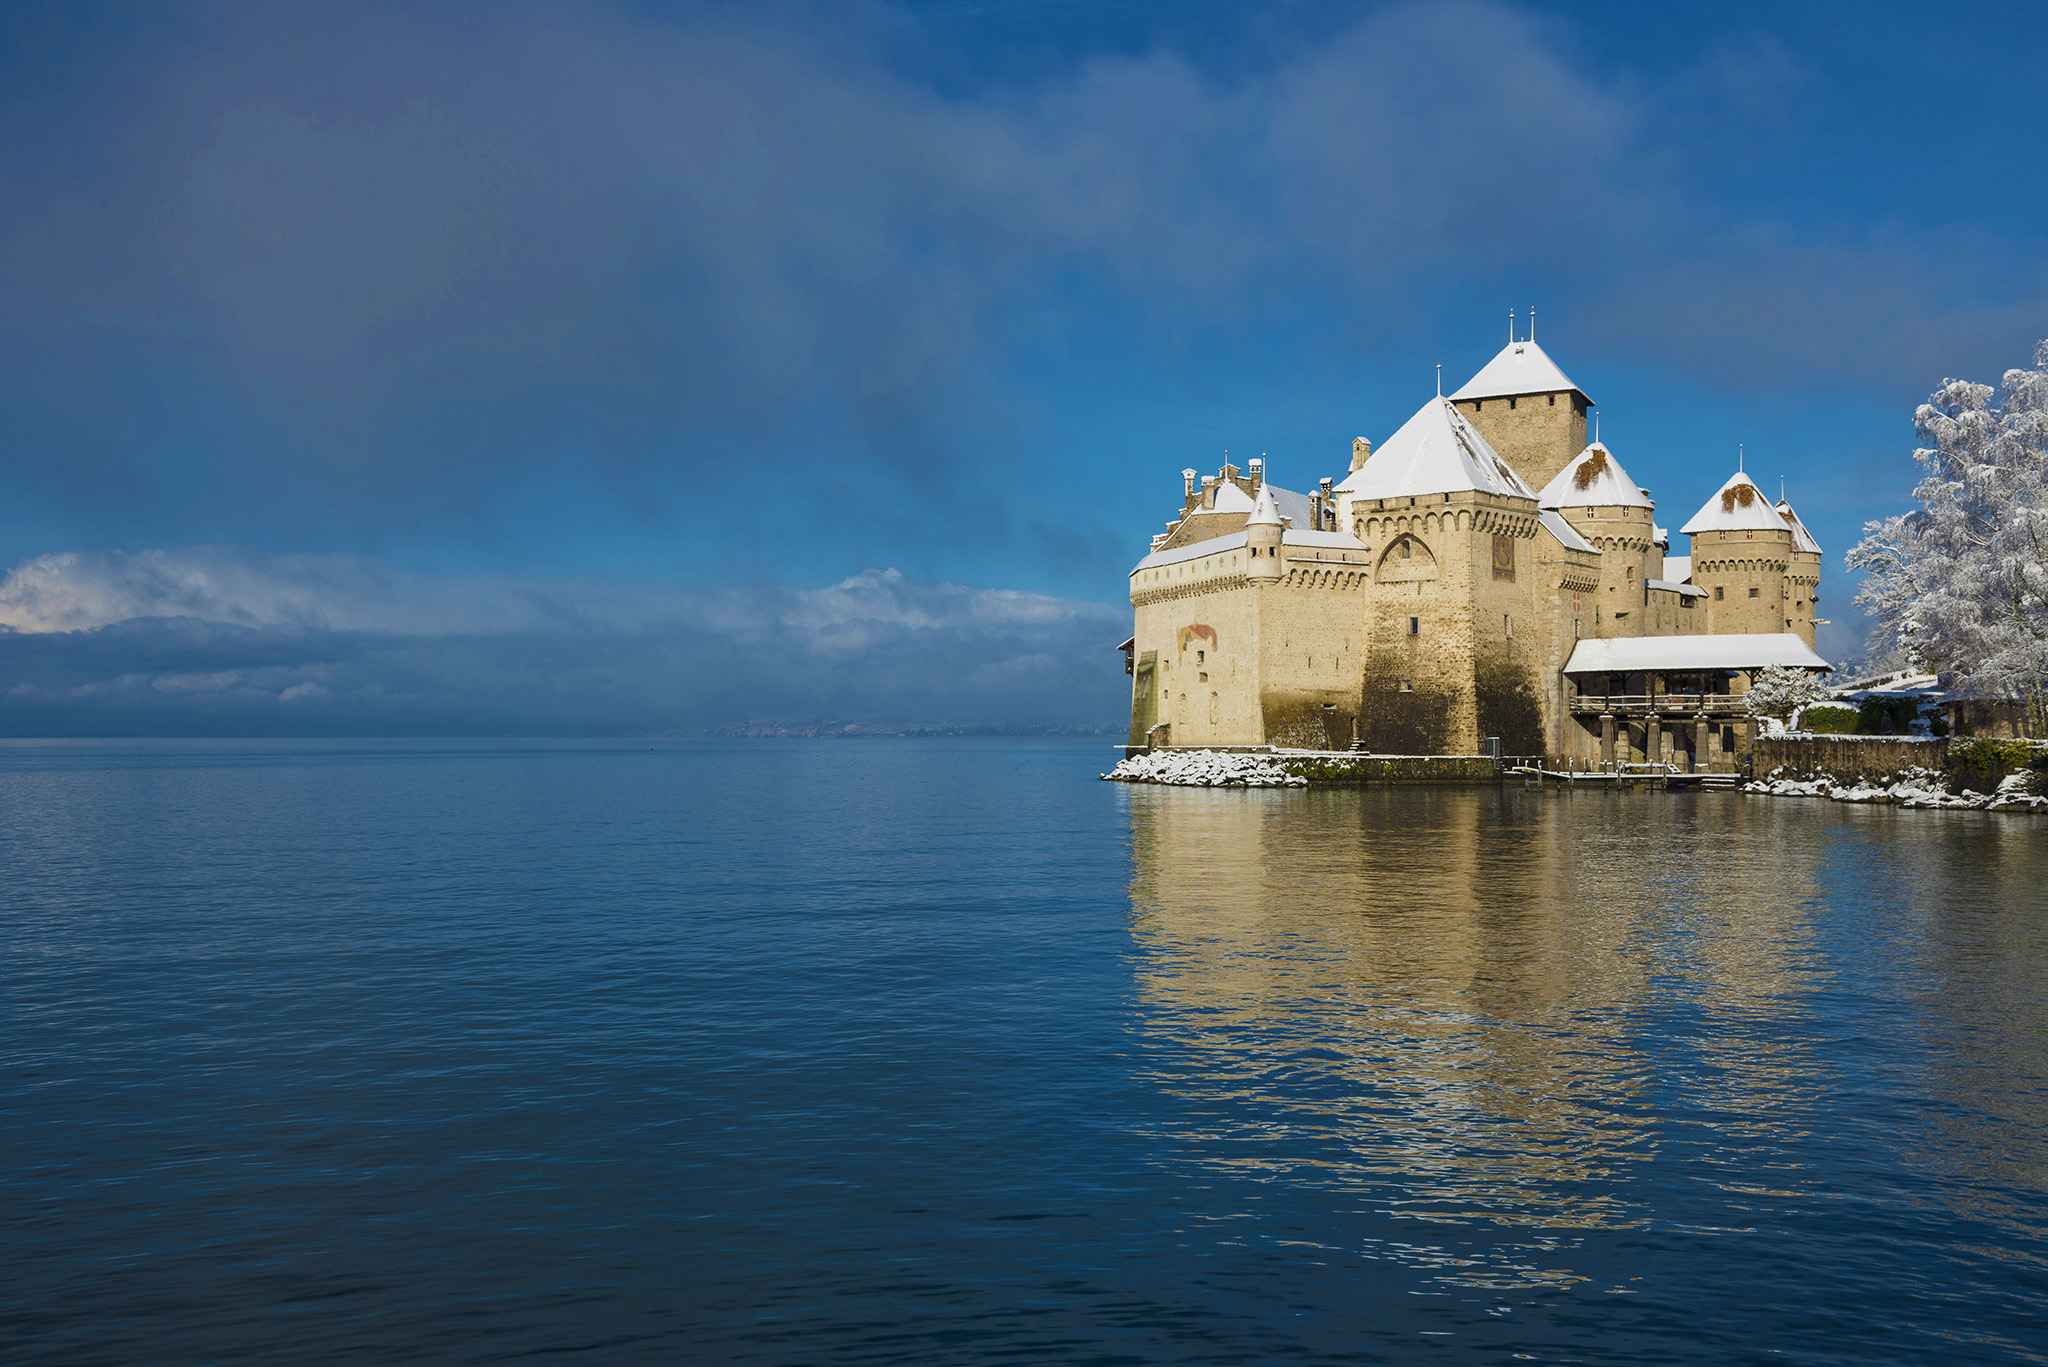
[1262,532]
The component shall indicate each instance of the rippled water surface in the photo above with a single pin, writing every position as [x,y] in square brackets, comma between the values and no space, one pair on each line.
[944,1052]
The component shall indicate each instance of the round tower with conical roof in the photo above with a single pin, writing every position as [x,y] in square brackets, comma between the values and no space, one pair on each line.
[1802,578]
[1609,509]
[1741,553]
[1263,531]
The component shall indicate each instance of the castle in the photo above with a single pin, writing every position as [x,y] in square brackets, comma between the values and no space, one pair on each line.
[1485,580]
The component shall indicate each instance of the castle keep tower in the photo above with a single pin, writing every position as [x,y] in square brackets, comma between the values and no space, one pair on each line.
[1742,555]
[1528,410]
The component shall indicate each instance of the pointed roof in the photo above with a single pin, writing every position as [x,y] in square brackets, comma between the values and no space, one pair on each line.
[1231,499]
[1567,536]
[1265,512]
[1521,368]
[1435,452]
[1737,506]
[1593,477]
[1801,538]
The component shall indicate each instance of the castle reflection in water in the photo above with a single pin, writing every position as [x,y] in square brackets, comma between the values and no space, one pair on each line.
[1474,1005]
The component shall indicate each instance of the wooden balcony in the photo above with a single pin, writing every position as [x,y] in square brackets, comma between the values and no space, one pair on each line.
[1662,704]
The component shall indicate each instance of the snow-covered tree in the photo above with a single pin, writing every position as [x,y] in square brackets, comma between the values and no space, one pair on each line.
[1960,584]
[1778,690]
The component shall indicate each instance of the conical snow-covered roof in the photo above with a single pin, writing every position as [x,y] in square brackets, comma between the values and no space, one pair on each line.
[1265,512]
[1593,477]
[1737,506]
[1801,538]
[1521,368]
[1435,452]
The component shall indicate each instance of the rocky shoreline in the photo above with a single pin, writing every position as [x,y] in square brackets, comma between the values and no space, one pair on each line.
[1913,787]
[1204,769]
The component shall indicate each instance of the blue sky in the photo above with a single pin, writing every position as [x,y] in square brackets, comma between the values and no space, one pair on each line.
[611,308]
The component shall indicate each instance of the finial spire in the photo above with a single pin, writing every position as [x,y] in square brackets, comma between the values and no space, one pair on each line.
[1596,427]
[1532,322]
[1511,327]
[1439,379]
[1738,457]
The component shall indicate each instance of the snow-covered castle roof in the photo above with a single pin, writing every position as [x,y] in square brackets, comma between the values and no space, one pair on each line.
[1265,512]
[1294,508]
[1801,538]
[1737,506]
[1593,477]
[1435,452]
[1521,368]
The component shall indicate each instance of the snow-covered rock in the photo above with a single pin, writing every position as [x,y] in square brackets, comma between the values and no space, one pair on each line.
[1911,787]
[1204,769]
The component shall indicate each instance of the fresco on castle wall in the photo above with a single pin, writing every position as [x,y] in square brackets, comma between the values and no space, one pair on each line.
[1197,631]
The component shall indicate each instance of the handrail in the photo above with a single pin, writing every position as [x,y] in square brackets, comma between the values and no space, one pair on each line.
[1661,702]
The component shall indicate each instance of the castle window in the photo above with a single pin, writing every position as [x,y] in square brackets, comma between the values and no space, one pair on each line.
[1511,403]
[1752,593]
[1407,686]
[1405,551]
[1553,400]
[1719,593]
[1414,626]
[1507,624]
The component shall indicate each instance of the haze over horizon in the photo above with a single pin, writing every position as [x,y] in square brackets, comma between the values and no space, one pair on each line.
[612,368]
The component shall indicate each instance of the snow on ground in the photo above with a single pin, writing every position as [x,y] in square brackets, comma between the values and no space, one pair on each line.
[1204,769]
[1914,787]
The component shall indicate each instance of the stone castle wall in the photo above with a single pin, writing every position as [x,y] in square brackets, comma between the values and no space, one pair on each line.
[1744,574]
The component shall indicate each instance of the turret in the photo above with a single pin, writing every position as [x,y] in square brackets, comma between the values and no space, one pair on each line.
[1802,577]
[1741,553]
[1262,533]
[1609,509]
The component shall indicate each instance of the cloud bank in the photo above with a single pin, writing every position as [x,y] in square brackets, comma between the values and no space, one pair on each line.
[379,270]
[225,642]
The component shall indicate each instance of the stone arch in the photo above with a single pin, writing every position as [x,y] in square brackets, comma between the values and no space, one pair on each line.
[1406,561]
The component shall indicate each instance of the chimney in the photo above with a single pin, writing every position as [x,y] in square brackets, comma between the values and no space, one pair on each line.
[1187,484]
[1208,491]
[1258,469]
[1326,511]
[1360,449]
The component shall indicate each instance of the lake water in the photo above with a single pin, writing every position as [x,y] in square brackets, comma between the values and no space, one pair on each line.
[944,1052]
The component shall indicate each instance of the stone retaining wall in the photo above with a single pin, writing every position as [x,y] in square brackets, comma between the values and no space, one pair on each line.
[1342,768]
[1847,757]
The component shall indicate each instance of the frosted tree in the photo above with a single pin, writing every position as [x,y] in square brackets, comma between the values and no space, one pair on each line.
[1960,584]
[1779,690]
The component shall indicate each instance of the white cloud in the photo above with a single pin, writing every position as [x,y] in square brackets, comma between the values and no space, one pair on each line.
[215,639]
